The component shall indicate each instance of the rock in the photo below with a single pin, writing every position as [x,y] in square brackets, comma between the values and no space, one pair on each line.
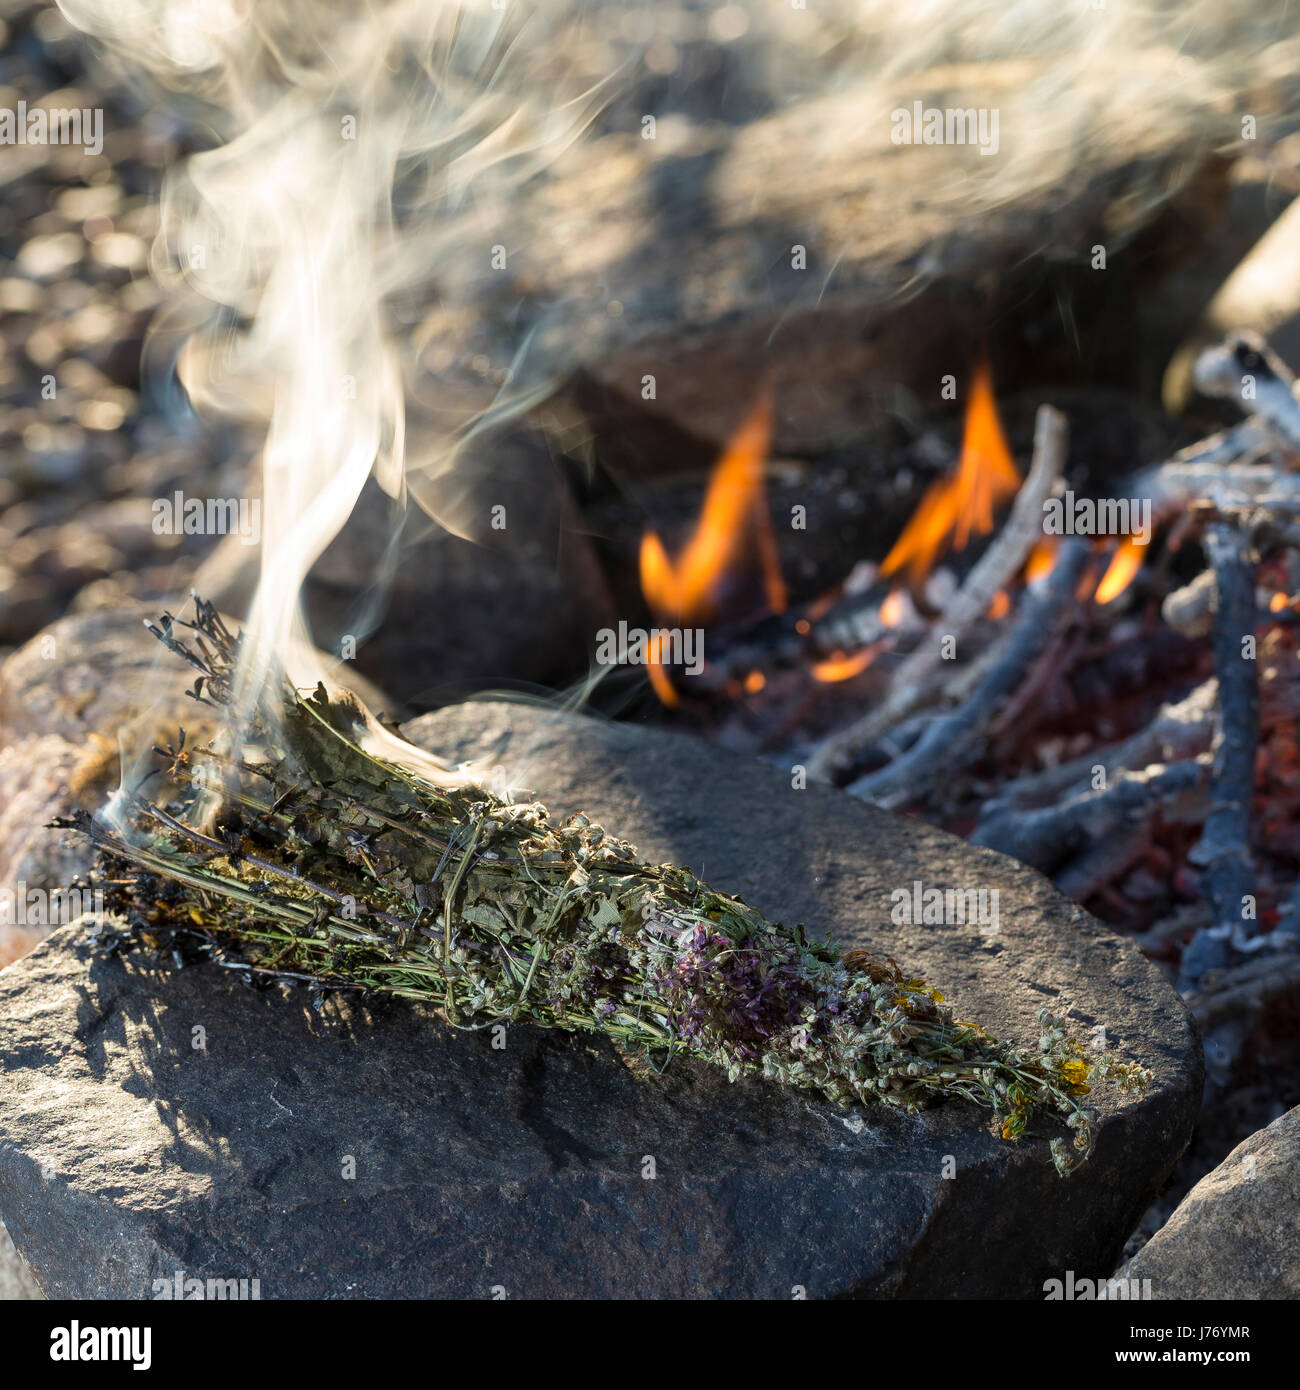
[64,697]
[95,672]
[41,778]
[1258,285]
[85,674]
[49,257]
[673,273]
[128,1152]
[1236,1233]
[16,1280]
[27,603]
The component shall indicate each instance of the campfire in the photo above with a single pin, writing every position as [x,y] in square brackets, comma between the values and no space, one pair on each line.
[987,668]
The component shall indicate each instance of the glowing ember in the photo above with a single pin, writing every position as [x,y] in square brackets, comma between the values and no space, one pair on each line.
[842,668]
[1000,606]
[1042,560]
[754,682]
[733,522]
[819,607]
[893,608]
[1122,569]
[956,507]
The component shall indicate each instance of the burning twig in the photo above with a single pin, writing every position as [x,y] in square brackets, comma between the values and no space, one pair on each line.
[1224,849]
[994,570]
[954,508]
[340,865]
[951,742]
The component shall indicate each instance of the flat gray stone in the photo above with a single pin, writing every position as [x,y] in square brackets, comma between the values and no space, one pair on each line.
[127,1154]
[1236,1233]
[692,234]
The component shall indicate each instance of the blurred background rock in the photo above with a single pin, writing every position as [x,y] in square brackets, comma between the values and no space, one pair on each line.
[85,443]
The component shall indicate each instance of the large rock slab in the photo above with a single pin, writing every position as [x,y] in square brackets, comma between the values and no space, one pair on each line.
[1236,1233]
[365,1150]
[66,699]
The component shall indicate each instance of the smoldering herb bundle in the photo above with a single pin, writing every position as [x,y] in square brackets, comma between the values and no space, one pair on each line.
[331,860]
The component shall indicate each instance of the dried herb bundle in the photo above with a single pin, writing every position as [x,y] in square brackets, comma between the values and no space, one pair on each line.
[333,861]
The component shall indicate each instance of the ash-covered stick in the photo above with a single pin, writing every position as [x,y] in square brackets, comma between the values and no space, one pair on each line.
[1228,465]
[1224,848]
[1179,924]
[1243,368]
[1174,485]
[952,741]
[1045,837]
[1270,521]
[1102,862]
[1181,729]
[344,867]
[1244,990]
[1190,610]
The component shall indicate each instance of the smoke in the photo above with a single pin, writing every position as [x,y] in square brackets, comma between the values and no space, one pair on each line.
[344,136]
[373,166]
[348,132]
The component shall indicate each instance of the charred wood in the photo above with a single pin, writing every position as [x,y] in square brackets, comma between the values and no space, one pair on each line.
[1045,838]
[953,741]
[1224,851]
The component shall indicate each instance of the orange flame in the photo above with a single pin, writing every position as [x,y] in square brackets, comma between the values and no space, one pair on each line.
[1122,569]
[893,608]
[955,507]
[1042,560]
[733,522]
[734,515]
[842,668]
[663,687]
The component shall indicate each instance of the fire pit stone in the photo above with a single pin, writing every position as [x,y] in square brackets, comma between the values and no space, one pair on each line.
[1235,1234]
[156,1121]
